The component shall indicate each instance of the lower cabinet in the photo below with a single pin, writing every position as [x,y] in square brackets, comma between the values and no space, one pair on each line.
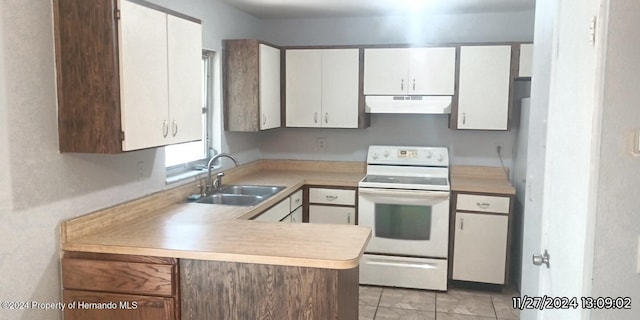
[331,214]
[481,239]
[332,205]
[105,306]
[287,210]
[110,286]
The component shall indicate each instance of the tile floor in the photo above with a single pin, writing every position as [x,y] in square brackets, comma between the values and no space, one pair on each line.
[378,303]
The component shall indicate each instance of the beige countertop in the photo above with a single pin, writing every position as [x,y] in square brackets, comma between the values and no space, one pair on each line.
[163,225]
[481,180]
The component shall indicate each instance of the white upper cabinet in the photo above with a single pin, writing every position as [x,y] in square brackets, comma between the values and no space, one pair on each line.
[410,71]
[526,60]
[143,74]
[303,88]
[484,87]
[161,78]
[269,87]
[322,88]
[185,79]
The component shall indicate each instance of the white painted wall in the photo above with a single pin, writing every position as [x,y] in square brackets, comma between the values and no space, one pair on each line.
[617,218]
[466,147]
[39,187]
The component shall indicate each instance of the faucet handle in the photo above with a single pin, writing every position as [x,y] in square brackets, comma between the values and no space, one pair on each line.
[220,175]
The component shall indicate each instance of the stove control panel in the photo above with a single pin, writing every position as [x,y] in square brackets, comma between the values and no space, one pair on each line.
[398,155]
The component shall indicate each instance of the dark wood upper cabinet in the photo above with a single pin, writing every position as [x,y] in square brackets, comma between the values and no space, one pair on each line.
[128,76]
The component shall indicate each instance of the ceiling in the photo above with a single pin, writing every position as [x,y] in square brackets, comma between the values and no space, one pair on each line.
[276,9]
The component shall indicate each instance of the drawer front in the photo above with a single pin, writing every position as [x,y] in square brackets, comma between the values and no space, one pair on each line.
[118,277]
[482,203]
[296,200]
[332,196]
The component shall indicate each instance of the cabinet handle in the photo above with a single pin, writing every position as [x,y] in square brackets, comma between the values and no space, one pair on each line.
[414,84]
[461,223]
[326,117]
[264,119]
[349,218]
[298,201]
[331,198]
[165,128]
[315,117]
[175,128]
[483,205]
[401,84]
[464,118]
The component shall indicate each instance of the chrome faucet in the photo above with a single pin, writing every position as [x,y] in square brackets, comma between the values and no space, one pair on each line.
[215,185]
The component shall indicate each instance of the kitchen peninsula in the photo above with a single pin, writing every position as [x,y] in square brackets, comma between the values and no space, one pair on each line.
[202,261]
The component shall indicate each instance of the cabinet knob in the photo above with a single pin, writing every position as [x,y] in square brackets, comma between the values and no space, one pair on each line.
[326,117]
[315,117]
[414,84]
[401,84]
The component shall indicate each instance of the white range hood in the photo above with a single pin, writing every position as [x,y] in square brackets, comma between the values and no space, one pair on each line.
[408,104]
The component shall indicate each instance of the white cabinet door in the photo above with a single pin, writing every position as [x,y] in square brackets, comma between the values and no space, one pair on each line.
[269,87]
[275,213]
[185,79]
[480,247]
[385,71]
[296,215]
[485,76]
[526,60]
[331,215]
[304,88]
[432,71]
[143,76]
[340,81]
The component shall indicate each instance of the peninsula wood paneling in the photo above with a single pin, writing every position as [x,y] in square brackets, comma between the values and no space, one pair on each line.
[223,290]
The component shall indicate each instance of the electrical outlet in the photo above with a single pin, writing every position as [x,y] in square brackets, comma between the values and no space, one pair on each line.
[140,167]
[321,143]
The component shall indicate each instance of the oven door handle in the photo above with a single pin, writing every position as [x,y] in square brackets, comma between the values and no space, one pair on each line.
[405,193]
[401,264]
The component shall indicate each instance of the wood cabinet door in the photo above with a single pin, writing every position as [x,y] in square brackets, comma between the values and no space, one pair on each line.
[304,88]
[483,96]
[185,79]
[432,71]
[480,247]
[143,76]
[340,81]
[269,87]
[386,71]
[332,214]
[119,306]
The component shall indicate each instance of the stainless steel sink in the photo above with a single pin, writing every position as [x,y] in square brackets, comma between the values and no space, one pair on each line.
[264,191]
[231,199]
[240,195]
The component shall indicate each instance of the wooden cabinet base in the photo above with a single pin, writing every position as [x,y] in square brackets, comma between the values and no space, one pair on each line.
[83,305]
[226,290]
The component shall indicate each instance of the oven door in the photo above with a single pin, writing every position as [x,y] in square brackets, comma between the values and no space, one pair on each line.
[405,222]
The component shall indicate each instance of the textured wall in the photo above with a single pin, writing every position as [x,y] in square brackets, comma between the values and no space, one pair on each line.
[618,221]
[39,187]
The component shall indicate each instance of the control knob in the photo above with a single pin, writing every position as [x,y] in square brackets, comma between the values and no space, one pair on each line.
[375,155]
[429,155]
[440,157]
[386,153]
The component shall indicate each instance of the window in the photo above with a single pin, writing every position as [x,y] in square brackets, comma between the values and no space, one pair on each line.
[187,159]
